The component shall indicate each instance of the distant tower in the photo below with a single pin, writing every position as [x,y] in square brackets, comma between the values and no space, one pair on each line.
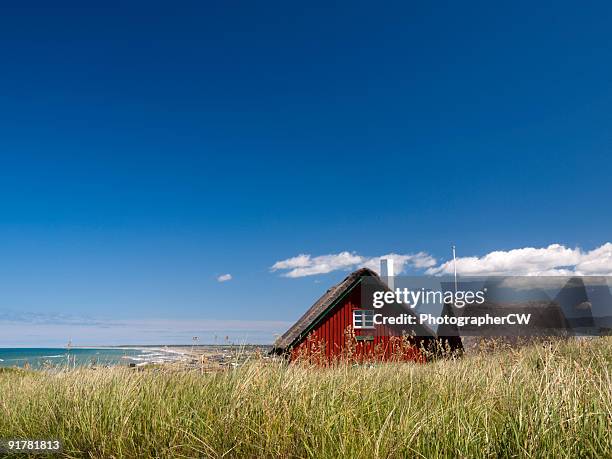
[386,271]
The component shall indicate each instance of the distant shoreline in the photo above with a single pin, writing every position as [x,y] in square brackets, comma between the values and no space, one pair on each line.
[201,355]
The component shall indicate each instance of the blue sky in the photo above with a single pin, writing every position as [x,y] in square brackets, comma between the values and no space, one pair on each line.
[147,149]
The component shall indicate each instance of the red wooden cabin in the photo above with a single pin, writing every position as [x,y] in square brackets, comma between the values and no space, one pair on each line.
[339,325]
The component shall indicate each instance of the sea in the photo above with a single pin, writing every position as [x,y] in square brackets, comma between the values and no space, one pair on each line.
[40,358]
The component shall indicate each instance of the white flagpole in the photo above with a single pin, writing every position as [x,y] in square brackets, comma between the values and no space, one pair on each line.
[455,267]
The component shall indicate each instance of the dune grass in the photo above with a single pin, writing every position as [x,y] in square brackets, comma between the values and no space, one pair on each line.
[542,401]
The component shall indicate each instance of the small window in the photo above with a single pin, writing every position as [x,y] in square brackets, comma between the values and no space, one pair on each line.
[363,318]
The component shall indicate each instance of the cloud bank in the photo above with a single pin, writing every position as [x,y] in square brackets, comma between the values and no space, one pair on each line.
[224,278]
[554,260]
[304,265]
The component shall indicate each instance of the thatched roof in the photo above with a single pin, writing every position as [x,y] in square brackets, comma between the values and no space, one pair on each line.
[316,311]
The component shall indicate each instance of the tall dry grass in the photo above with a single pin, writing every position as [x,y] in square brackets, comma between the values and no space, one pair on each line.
[542,401]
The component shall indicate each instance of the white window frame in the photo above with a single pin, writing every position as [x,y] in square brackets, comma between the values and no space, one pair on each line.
[366,319]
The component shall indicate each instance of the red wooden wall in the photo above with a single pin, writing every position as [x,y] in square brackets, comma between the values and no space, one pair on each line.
[329,338]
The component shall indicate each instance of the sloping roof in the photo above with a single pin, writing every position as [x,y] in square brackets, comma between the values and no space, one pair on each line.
[316,310]
[300,329]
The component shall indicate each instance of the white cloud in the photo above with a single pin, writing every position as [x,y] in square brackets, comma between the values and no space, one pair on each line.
[300,261]
[554,260]
[224,277]
[305,265]
[597,262]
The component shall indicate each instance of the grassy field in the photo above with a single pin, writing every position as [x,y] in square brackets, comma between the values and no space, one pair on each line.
[543,401]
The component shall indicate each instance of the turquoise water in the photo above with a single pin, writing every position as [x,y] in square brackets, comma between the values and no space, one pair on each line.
[58,357]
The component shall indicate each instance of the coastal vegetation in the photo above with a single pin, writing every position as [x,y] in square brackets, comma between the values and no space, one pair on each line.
[546,400]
